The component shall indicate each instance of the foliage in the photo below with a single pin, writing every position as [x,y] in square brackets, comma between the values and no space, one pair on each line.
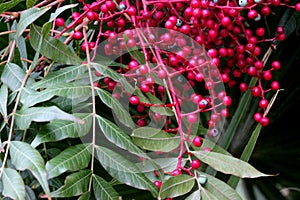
[73,122]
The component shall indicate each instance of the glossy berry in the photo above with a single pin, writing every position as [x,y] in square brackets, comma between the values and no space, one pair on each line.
[256,91]
[59,22]
[197,141]
[227,101]
[157,184]
[77,35]
[257,116]
[297,6]
[264,121]
[134,100]
[275,85]
[263,103]
[192,118]
[195,164]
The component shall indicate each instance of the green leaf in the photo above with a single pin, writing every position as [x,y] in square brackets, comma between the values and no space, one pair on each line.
[25,157]
[3,101]
[68,90]
[103,190]
[30,195]
[106,71]
[85,196]
[53,48]
[195,195]
[60,129]
[247,152]
[30,3]
[167,164]
[124,170]
[75,184]
[8,5]
[208,143]
[120,112]
[13,185]
[28,17]
[60,10]
[220,189]
[13,76]
[176,186]
[228,164]
[71,159]
[206,195]
[157,109]
[118,137]
[62,76]
[24,117]
[154,139]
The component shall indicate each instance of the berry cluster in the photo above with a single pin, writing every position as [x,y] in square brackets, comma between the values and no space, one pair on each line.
[200,45]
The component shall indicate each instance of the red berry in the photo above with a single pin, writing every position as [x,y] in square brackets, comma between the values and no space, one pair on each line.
[252,14]
[275,85]
[91,15]
[141,122]
[192,118]
[77,35]
[134,100]
[97,84]
[256,91]
[267,75]
[227,100]
[131,11]
[197,141]
[195,164]
[263,103]
[265,11]
[275,65]
[297,6]
[243,87]
[59,22]
[157,184]
[260,32]
[264,121]
[257,116]
[226,21]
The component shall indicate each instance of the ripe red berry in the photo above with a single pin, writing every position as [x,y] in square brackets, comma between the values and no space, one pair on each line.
[226,21]
[243,87]
[59,22]
[297,7]
[157,184]
[192,118]
[267,75]
[91,15]
[275,85]
[77,35]
[275,65]
[256,91]
[227,101]
[264,121]
[141,122]
[195,164]
[257,116]
[134,100]
[197,141]
[263,103]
